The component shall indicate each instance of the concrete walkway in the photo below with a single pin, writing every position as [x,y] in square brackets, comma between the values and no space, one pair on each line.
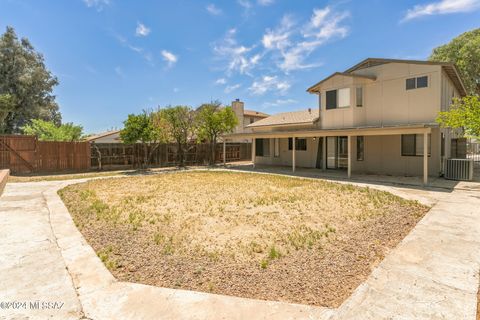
[432,274]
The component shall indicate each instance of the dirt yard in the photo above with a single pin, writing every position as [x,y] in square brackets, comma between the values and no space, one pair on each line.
[242,234]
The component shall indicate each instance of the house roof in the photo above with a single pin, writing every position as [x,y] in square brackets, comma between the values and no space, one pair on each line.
[449,67]
[254,113]
[101,135]
[345,74]
[288,118]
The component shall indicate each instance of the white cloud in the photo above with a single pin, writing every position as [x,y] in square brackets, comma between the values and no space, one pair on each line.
[169,57]
[119,72]
[279,102]
[265,2]
[98,4]
[269,83]
[295,44]
[175,90]
[213,9]
[221,81]
[441,7]
[285,48]
[142,30]
[231,88]
[237,57]
[145,54]
[325,24]
[245,4]
[280,37]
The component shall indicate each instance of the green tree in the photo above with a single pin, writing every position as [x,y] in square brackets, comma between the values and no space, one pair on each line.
[49,131]
[7,104]
[464,51]
[25,78]
[181,127]
[146,128]
[464,114]
[213,121]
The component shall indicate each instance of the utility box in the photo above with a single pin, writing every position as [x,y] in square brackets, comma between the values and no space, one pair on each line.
[459,169]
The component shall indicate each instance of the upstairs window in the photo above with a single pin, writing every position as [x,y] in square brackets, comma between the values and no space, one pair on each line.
[359,97]
[337,98]
[416,83]
[331,97]
[300,144]
[344,98]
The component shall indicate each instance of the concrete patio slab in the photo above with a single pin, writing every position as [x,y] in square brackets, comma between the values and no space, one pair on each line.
[431,274]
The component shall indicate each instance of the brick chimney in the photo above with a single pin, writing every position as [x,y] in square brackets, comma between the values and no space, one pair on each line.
[238,108]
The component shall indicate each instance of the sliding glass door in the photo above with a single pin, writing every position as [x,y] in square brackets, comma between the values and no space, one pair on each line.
[337,152]
[331,152]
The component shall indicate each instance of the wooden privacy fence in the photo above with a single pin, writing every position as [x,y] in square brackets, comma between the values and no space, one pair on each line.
[25,154]
[117,155]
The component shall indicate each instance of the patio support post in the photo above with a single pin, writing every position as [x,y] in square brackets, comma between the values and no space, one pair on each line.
[425,159]
[324,153]
[224,153]
[293,154]
[349,160]
[253,152]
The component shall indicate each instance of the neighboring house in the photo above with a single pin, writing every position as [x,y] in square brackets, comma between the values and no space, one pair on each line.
[376,117]
[106,137]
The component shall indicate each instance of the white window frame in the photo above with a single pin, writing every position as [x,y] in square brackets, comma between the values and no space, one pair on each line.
[344,100]
[276,147]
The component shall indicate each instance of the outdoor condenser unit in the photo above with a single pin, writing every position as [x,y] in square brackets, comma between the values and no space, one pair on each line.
[459,169]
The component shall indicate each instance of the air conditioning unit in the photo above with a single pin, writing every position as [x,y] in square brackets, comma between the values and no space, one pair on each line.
[459,169]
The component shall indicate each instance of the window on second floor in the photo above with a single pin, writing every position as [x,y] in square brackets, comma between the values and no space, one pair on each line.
[331,99]
[337,98]
[359,97]
[252,120]
[416,83]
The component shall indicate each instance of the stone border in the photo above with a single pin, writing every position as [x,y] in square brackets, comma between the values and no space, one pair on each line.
[104,297]
[4,174]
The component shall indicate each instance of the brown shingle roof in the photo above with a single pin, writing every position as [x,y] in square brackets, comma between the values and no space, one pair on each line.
[254,113]
[288,118]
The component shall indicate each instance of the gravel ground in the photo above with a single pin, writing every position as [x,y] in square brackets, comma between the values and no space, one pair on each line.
[241,234]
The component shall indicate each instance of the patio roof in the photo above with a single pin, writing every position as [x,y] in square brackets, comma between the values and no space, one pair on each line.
[353,131]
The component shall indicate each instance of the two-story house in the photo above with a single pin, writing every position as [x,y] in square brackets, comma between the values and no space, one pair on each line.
[376,117]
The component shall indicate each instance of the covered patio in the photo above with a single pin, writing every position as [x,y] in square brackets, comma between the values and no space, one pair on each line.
[349,134]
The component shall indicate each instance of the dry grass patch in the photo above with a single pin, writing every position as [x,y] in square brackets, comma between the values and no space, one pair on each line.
[250,235]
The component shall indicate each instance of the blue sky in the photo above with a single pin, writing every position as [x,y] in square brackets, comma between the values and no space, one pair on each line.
[116,57]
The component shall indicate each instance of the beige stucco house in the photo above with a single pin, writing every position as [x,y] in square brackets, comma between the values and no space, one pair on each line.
[376,117]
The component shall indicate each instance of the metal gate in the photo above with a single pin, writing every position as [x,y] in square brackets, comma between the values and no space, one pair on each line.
[473,152]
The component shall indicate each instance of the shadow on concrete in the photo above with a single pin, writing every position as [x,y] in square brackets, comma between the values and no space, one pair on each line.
[435,183]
